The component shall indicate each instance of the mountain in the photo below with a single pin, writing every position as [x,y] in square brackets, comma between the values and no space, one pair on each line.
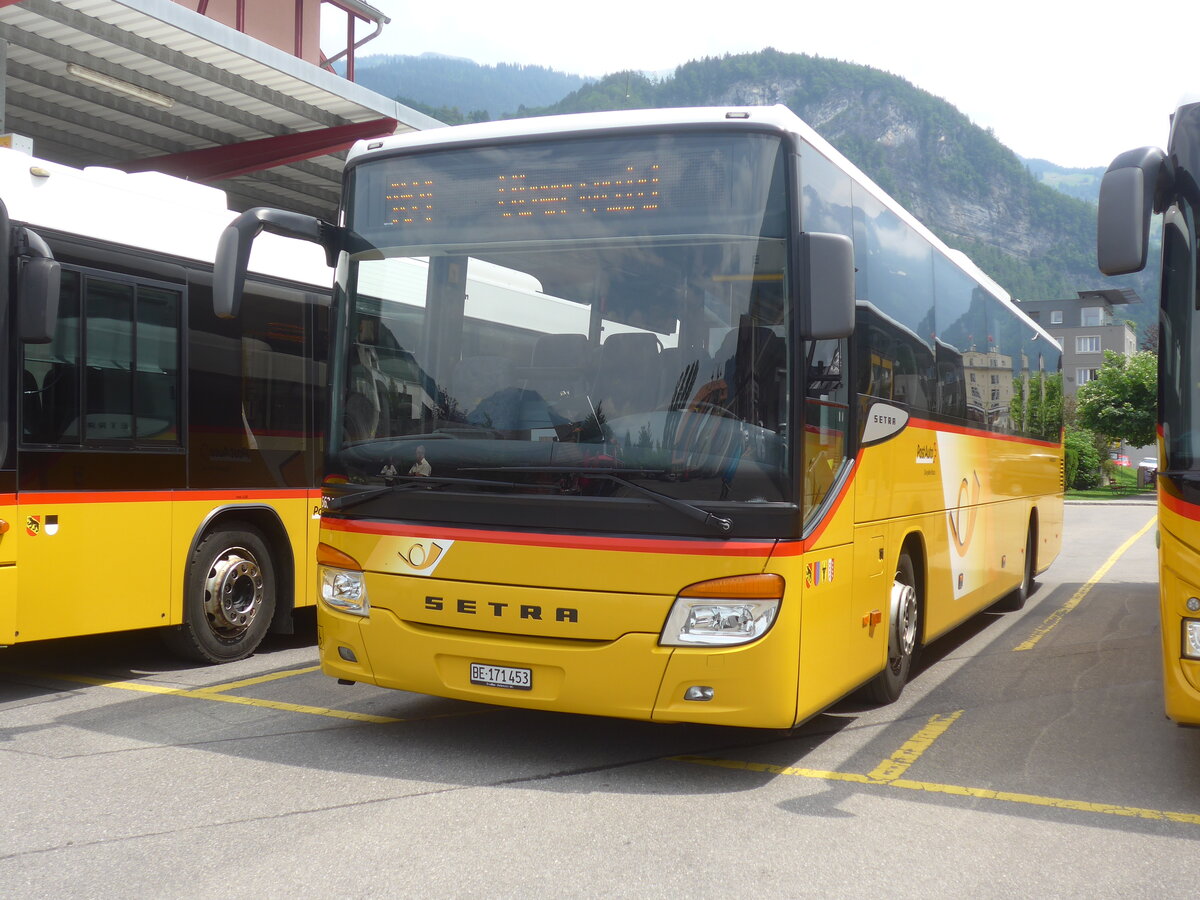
[1082,184]
[432,83]
[1012,216]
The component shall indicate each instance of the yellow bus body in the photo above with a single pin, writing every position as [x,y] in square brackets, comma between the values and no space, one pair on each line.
[99,562]
[8,562]
[1179,580]
[584,612]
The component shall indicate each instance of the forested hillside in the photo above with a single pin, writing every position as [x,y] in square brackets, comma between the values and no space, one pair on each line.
[455,90]
[1083,184]
[970,189]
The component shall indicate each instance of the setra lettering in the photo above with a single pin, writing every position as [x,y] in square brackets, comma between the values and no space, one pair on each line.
[502,610]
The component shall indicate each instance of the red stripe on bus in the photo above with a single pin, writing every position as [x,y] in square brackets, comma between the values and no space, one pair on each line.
[696,546]
[1179,506]
[180,496]
[782,547]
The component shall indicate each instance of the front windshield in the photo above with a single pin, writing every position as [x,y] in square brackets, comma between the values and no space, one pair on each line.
[531,313]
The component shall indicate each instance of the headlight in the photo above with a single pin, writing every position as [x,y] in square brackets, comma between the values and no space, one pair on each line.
[723,612]
[344,590]
[1191,638]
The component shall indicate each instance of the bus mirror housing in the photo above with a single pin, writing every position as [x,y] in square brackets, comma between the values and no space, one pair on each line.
[827,307]
[1135,185]
[38,286]
[233,249]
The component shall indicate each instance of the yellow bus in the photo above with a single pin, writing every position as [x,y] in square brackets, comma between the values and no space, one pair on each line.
[1137,184]
[158,465]
[642,462]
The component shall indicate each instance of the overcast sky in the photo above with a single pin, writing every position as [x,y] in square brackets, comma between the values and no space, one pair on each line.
[1075,85]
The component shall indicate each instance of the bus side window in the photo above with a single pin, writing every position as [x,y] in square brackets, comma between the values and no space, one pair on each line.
[51,413]
[826,420]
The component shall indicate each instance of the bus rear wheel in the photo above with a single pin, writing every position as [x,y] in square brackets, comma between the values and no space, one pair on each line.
[903,628]
[229,597]
[1015,600]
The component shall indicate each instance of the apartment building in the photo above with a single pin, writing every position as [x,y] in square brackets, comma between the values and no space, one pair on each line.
[1086,326]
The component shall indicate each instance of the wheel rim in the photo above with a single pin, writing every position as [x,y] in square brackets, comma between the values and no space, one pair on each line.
[233,593]
[904,623]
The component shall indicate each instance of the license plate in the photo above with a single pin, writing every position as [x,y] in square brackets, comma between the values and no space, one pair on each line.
[502,677]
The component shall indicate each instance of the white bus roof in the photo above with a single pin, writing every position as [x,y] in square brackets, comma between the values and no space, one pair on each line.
[149,211]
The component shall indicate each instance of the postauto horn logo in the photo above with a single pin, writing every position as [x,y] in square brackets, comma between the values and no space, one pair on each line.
[423,555]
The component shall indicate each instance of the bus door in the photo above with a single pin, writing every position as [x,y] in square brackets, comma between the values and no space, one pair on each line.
[8,491]
[834,665]
[100,452]
[9,407]
[28,311]
[8,563]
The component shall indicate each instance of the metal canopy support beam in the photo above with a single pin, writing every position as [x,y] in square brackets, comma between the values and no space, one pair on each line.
[215,163]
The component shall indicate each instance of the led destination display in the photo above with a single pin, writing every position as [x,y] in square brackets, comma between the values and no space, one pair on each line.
[673,183]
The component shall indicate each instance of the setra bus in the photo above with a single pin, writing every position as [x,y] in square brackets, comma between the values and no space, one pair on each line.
[1136,185]
[643,463]
[158,465]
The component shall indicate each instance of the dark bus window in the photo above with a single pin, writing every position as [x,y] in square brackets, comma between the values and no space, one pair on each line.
[111,374]
[895,279]
[50,392]
[108,353]
[156,389]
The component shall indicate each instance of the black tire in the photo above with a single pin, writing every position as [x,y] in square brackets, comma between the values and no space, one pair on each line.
[229,597]
[1015,600]
[904,621]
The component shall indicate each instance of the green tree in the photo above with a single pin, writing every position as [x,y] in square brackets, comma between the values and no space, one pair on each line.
[1121,402]
[1081,459]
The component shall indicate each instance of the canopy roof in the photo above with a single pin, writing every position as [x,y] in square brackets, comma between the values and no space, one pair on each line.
[150,84]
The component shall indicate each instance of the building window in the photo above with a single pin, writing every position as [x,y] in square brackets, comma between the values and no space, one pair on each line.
[1089,343]
[1091,316]
[1056,317]
[1083,376]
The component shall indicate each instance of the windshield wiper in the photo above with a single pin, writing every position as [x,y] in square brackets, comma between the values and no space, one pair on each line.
[409,482]
[722,524]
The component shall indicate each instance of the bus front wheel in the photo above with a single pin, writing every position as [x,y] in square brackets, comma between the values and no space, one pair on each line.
[229,597]
[903,628]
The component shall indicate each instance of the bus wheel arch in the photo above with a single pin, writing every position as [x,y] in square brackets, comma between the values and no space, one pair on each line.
[1015,599]
[237,586]
[906,614]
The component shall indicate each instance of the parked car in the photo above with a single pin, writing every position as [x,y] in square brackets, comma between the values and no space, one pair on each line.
[1119,459]
[1149,462]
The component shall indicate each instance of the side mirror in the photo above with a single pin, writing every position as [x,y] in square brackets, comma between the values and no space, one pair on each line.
[1134,186]
[37,290]
[827,267]
[233,249]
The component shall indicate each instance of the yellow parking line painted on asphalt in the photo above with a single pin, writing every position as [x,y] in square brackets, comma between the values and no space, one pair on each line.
[777,770]
[1057,616]
[261,679]
[956,790]
[203,694]
[898,763]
